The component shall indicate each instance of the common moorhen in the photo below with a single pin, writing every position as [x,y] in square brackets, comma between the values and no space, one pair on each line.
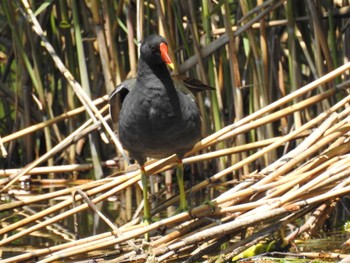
[159,115]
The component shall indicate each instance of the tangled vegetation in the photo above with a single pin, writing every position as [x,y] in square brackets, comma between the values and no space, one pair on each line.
[275,142]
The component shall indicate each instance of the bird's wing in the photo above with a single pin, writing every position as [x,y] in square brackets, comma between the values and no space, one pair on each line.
[194,85]
[117,97]
[190,87]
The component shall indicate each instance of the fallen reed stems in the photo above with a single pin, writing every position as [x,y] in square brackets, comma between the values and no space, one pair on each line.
[35,199]
[216,232]
[42,125]
[49,169]
[83,129]
[279,103]
[283,190]
[281,197]
[116,184]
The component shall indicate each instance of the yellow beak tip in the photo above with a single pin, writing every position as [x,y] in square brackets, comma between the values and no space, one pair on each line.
[171,65]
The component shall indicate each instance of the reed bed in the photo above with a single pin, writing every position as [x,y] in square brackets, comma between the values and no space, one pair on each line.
[274,161]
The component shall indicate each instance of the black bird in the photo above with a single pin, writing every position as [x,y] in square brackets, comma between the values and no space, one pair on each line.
[159,114]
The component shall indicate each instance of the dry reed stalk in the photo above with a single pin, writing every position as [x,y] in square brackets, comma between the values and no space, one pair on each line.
[178,231]
[2,148]
[321,161]
[273,116]
[307,225]
[297,193]
[217,154]
[293,182]
[208,248]
[333,193]
[307,153]
[223,40]
[43,224]
[311,139]
[282,22]
[223,229]
[326,256]
[246,206]
[12,179]
[311,183]
[235,197]
[229,151]
[42,125]
[102,46]
[321,117]
[306,201]
[131,234]
[35,199]
[49,169]
[103,217]
[45,251]
[184,229]
[340,179]
[219,210]
[83,129]
[278,172]
[279,103]
[106,242]
[249,241]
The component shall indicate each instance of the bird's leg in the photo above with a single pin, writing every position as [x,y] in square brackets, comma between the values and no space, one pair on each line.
[180,179]
[146,207]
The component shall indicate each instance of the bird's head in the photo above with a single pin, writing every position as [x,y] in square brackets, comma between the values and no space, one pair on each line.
[154,50]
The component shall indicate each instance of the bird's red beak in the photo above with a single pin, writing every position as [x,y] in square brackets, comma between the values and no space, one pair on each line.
[165,55]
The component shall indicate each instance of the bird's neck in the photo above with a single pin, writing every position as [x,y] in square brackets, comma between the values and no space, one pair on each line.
[156,77]
[153,73]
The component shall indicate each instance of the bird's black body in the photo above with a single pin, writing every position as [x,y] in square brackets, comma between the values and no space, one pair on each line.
[159,116]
